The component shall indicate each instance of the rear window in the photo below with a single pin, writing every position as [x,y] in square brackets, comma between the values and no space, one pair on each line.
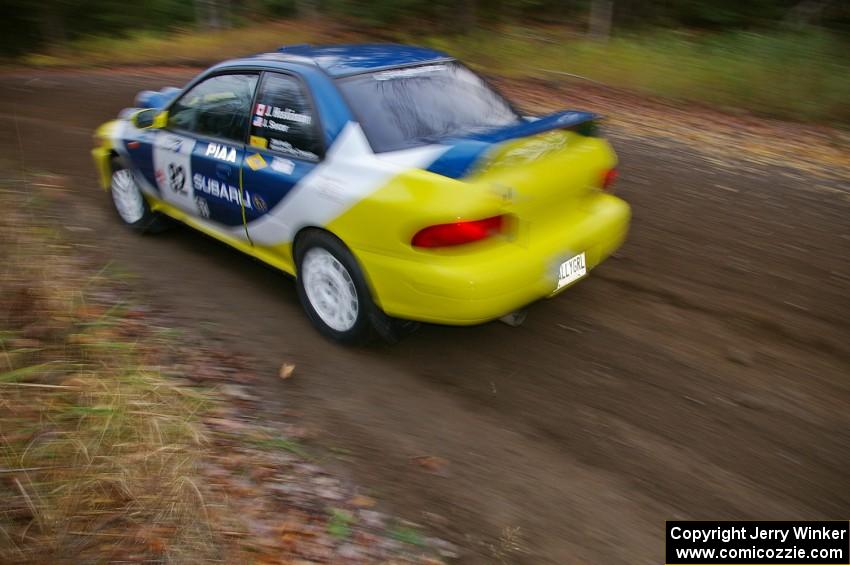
[413,106]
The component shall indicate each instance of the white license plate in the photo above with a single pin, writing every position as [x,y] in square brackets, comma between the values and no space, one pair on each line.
[571,270]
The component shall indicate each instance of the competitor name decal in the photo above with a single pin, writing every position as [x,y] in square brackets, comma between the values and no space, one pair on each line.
[267,110]
[221,152]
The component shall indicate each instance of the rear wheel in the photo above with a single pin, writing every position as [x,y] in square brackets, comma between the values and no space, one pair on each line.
[130,204]
[332,289]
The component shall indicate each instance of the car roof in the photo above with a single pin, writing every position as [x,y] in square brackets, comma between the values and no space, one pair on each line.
[346,60]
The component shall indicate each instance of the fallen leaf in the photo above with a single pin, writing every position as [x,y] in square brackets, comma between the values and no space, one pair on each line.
[430,463]
[157,545]
[286,370]
[90,312]
[361,501]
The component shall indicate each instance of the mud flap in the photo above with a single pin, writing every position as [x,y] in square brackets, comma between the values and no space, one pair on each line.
[392,330]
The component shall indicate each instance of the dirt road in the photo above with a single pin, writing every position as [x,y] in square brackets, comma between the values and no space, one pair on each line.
[704,373]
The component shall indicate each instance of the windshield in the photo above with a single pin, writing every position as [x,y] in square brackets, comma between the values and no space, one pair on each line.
[413,106]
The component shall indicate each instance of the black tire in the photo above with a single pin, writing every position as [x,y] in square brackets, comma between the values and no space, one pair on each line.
[314,244]
[142,220]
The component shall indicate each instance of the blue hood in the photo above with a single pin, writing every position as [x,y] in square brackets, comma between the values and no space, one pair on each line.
[467,150]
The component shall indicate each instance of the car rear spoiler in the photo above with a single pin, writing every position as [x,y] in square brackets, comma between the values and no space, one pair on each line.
[466,151]
[571,119]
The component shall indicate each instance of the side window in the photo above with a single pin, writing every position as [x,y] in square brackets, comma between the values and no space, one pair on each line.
[217,107]
[283,119]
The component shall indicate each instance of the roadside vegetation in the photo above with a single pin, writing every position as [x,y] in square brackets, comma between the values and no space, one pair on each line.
[98,452]
[121,440]
[797,75]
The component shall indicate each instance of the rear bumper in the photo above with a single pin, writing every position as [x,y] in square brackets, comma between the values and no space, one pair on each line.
[485,282]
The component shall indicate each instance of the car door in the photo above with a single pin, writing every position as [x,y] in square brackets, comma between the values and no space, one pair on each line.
[284,146]
[198,155]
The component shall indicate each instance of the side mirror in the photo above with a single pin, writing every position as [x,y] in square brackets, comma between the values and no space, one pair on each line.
[146,118]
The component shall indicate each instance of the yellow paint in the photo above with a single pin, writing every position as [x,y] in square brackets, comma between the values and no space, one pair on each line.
[278,256]
[102,153]
[256,161]
[257,141]
[105,145]
[548,188]
[161,120]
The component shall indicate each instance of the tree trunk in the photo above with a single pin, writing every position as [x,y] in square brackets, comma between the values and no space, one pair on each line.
[806,13]
[213,20]
[601,14]
[469,15]
[52,24]
[224,14]
[306,9]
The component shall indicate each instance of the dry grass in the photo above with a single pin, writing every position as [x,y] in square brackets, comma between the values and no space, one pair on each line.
[104,457]
[98,452]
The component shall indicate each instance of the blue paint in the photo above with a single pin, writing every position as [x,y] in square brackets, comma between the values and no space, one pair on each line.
[457,161]
[333,112]
[156,99]
[558,120]
[219,176]
[345,60]
[270,183]
[139,150]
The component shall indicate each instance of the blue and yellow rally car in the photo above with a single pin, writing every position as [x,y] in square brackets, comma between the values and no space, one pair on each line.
[391,180]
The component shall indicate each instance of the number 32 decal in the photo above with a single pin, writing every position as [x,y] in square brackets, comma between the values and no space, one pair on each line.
[177,178]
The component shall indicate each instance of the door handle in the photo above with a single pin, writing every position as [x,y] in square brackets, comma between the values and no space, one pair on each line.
[222,171]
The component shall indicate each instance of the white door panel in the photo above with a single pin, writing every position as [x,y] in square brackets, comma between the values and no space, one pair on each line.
[172,159]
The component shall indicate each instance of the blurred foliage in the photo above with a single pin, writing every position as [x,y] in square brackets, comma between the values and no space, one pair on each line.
[33,25]
[49,24]
[799,75]
[784,58]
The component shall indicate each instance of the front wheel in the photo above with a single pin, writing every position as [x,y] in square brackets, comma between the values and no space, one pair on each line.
[130,204]
[332,289]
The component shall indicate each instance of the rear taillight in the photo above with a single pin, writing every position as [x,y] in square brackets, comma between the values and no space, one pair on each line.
[608,178]
[458,233]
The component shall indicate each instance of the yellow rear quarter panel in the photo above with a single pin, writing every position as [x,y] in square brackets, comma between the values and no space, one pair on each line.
[555,210]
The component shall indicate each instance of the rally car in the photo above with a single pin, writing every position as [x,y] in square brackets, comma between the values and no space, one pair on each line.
[392,181]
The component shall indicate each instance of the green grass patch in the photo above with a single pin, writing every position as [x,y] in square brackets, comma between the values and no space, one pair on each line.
[406,535]
[282,444]
[339,525]
[23,373]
